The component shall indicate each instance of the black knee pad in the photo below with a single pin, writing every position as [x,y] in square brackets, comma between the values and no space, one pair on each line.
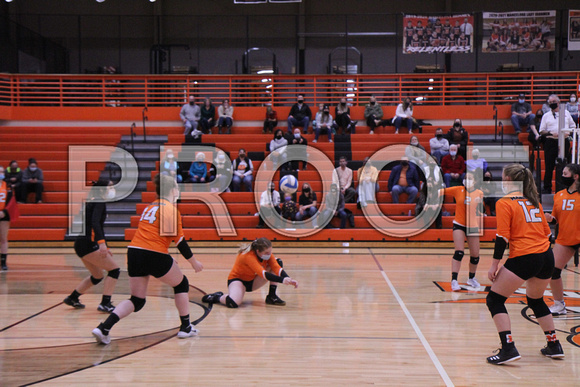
[231,303]
[557,273]
[183,286]
[138,303]
[538,305]
[474,260]
[495,303]
[280,262]
[95,281]
[114,273]
[458,255]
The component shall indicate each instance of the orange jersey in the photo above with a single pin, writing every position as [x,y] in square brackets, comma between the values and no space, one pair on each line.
[466,201]
[248,266]
[522,225]
[149,236]
[567,211]
[3,195]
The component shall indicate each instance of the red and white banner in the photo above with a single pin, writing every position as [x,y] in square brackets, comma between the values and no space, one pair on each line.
[429,34]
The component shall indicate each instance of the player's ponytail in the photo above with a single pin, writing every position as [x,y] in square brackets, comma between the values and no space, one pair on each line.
[517,172]
[259,244]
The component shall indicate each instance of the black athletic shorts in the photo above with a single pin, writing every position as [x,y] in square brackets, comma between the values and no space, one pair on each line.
[6,217]
[532,265]
[474,230]
[85,246]
[141,263]
[247,284]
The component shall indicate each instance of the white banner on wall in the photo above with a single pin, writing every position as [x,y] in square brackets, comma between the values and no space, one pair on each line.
[524,31]
[574,30]
[429,34]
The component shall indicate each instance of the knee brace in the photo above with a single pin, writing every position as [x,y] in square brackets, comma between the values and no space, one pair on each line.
[138,303]
[231,303]
[557,274]
[458,255]
[474,260]
[495,303]
[114,273]
[280,262]
[95,281]
[183,286]
[538,306]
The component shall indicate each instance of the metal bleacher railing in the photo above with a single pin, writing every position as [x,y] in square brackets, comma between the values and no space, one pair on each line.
[244,90]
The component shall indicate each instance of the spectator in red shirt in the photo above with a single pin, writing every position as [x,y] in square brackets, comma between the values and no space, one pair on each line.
[271,120]
[453,166]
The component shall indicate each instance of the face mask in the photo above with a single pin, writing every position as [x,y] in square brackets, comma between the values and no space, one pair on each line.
[414,143]
[265,257]
[475,157]
[439,136]
[305,190]
[32,169]
[521,100]
[170,157]
[272,189]
[297,135]
[405,163]
[2,176]
[192,103]
[111,194]
[242,156]
[300,101]
[457,124]
[572,99]
[453,153]
[468,183]
[344,103]
[287,198]
[326,112]
[221,158]
[567,181]
[372,103]
[278,137]
[554,105]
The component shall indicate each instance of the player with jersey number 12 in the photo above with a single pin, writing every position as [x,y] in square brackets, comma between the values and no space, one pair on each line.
[148,256]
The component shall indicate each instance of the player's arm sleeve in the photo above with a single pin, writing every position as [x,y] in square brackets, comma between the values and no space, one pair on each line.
[272,277]
[96,225]
[184,249]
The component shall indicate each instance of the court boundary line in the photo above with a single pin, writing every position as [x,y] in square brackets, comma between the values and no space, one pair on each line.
[29,317]
[416,328]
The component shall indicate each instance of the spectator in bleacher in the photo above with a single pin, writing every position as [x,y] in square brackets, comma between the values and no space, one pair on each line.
[404,113]
[439,145]
[549,128]
[33,181]
[422,204]
[475,162]
[373,114]
[317,116]
[345,180]
[198,169]
[169,166]
[289,207]
[298,139]
[488,192]
[243,171]
[226,116]
[324,124]
[368,183]
[457,135]
[5,197]
[572,107]
[278,149]
[341,211]
[271,120]
[220,172]
[190,115]
[342,117]
[207,120]
[14,179]
[404,178]
[453,167]
[307,204]
[522,115]
[269,203]
[300,115]
[416,153]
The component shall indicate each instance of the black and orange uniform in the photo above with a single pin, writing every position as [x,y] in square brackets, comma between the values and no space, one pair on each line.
[466,214]
[248,266]
[148,252]
[5,196]
[566,210]
[96,214]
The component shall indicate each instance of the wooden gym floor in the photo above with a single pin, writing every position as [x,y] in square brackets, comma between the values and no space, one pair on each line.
[360,316]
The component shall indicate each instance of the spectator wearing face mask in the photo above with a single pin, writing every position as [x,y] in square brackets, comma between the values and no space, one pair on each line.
[404,179]
[243,170]
[226,116]
[404,113]
[278,149]
[522,115]
[453,166]
[415,153]
[476,162]
[190,115]
[298,139]
[198,169]
[33,181]
[439,145]
[336,196]
[300,115]
[324,124]
[373,114]
[169,166]
[342,117]
[572,107]
[457,135]
[307,204]
[289,207]
[368,184]
[220,172]
[269,204]
[207,120]
[271,120]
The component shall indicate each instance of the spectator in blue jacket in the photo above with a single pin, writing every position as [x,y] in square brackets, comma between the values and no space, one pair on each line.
[404,178]
[198,169]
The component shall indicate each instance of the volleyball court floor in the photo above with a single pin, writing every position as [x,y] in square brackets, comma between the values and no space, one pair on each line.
[360,316]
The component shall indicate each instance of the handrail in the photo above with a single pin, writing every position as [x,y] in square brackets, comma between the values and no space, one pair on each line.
[133,139]
[145,118]
[495,119]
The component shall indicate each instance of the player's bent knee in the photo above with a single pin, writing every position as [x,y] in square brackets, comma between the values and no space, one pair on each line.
[557,273]
[138,303]
[458,255]
[231,303]
[474,260]
[95,281]
[538,305]
[495,303]
[183,286]
[114,273]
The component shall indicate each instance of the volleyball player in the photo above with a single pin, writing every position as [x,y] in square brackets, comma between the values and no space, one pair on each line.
[92,249]
[5,196]
[254,267]
[566,212]
[521,223]
[148,256]
[467,198]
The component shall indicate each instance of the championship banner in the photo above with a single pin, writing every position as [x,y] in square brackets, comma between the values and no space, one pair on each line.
[573,30]
[429,34]
[518,31]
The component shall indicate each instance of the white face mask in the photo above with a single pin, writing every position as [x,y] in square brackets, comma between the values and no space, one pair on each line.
[572,99]
[468,183]
[414,143]
[265,257]
[111,193]
[453,153]
[296,135]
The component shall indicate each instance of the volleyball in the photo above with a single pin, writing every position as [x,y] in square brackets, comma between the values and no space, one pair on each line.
[288,184]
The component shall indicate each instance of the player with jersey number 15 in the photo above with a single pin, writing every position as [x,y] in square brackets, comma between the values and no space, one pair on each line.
[148,256]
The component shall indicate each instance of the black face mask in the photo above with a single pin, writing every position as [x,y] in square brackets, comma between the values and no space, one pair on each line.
[554,105]
[278,137]
[242,156]
[326,112]
[272,189]
[405,163]
[457,125]
[372,103]
[439,136]
[306,190]
[192,103]
[343,103]
[567,181]
[300,101]
[486,178]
